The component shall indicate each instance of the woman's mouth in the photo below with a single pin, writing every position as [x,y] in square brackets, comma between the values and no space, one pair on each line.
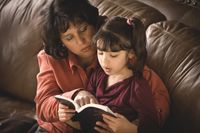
[86,49]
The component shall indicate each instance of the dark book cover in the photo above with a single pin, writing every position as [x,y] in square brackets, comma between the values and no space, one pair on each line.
[87,114]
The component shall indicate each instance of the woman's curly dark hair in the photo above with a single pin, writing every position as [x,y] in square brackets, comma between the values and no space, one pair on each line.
[57,18]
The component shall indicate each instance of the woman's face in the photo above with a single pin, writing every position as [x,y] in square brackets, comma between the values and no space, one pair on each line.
[78,39]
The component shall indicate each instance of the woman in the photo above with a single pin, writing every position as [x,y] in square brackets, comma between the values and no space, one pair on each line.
[67,61]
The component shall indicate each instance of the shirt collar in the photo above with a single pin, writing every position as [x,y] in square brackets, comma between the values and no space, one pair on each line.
[72,60]
[73,63]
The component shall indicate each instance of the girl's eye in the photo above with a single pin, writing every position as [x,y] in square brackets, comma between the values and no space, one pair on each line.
[113,56]
[100,53]
[68,37]
[83,28]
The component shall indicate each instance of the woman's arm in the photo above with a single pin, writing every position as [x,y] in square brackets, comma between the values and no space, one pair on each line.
[46,104]
[160,94]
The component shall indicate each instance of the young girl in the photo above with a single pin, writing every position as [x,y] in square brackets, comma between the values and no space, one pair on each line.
[119,83]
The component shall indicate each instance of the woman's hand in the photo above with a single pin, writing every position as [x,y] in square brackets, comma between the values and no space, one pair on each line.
[85,97]
[64,113]
[118,124]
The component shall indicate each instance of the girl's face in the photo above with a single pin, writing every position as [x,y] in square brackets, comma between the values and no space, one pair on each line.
[114,63]
[78,39]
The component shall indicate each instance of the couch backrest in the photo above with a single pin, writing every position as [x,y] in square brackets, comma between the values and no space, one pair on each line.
[174,53]
[129,8]
[20,41]
[171,9]
[184,11]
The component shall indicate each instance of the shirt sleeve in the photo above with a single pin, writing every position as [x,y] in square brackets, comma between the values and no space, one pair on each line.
[46,104]
[47,88]
[91,87]
[160,94]
[94,80]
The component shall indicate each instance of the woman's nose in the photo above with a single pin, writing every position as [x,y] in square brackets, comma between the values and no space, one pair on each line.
[80,40]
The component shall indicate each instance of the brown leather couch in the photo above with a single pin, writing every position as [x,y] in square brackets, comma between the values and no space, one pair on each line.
[173,45]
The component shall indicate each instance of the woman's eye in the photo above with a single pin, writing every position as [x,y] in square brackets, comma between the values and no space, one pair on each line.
[68,37]
[83,28]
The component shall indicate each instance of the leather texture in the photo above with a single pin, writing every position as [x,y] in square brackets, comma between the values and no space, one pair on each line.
[173,45]
[174,53]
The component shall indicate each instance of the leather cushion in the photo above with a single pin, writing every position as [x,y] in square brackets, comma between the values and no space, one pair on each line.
[173,52]
[129,8]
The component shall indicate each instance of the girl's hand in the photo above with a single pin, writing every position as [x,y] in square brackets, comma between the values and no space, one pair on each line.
[85,97]
[119,124]
[102,127]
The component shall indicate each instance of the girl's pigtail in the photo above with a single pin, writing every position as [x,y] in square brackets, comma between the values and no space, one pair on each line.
[139,45]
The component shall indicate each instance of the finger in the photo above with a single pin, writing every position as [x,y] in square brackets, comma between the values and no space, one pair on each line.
[102,125]
[62,114]
[93,100]
[119,115]
[100,130]
[109,123]
[62,106]
[65,117]
[86,100]
[108,118]
[70,111]
[80,101]
[66,110]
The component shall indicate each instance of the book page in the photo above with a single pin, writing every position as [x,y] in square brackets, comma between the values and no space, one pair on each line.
[98,106]
[73,105]
[68,102]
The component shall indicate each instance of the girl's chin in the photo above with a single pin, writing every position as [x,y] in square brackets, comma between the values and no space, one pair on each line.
[107,72]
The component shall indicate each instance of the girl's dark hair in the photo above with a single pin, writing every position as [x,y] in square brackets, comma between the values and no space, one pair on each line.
[57,18]
[116,34]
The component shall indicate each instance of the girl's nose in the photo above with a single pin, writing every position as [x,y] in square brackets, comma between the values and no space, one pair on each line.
[105,59]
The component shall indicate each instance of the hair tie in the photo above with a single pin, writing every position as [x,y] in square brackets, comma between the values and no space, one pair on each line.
[130,22]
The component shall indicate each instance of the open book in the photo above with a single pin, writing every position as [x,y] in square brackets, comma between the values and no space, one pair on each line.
[87,114]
